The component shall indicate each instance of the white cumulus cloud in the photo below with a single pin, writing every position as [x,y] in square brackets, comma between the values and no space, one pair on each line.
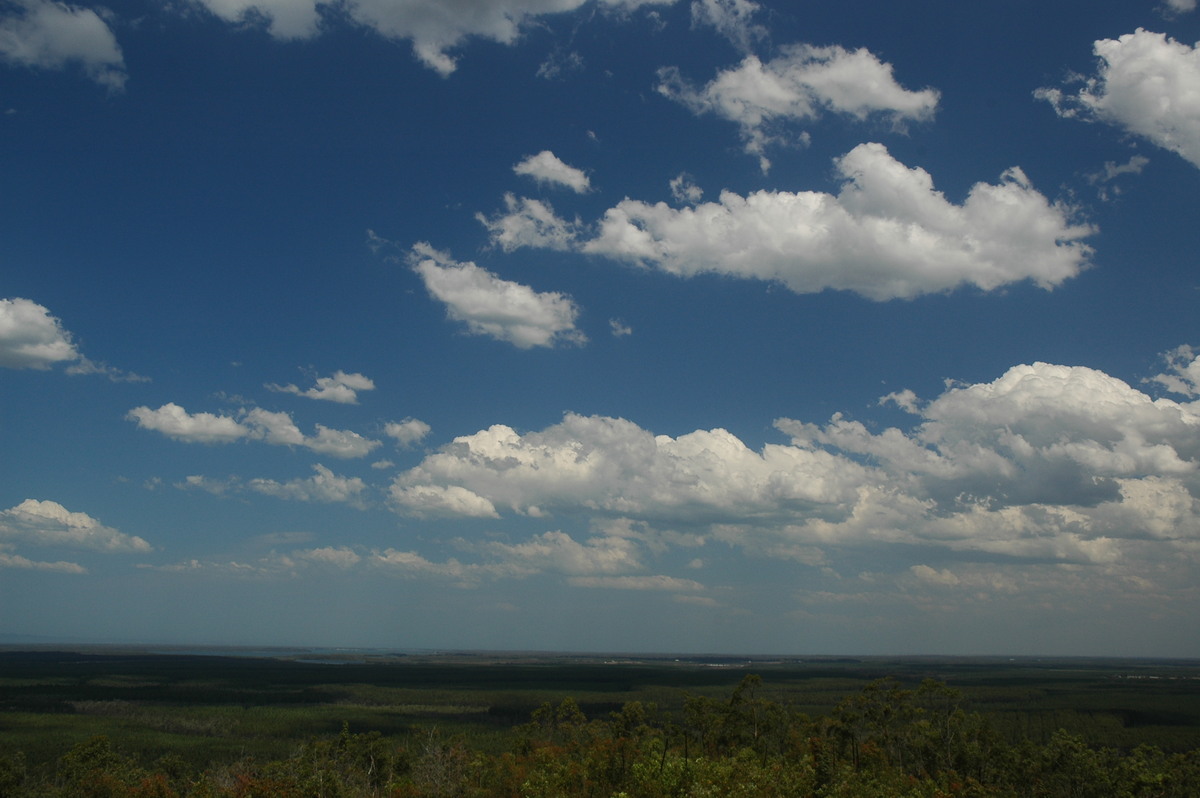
[802,84]
[50,35]
[176,422]
[887,234]
[498,308]
[341,387]
[31,338]
[613,465]
[1046,463]
[1148,84]
[408,432]
[546,167]
[441,500]
[277,429]
[48,523]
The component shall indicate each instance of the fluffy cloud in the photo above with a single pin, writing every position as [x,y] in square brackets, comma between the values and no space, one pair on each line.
[441,500]
[1047,463]
[545,167]
[30,338]
[175,422]
[50,35]
[1148,85]
[1039,434]
[341,387]
[47,523]
[408,432]
[887,234]
[613,465]
[802,84]
[255,424]
[433,26]
[529,223]
[324,486]
[501,309]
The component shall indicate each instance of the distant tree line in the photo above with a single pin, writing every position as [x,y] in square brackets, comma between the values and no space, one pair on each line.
[884,742]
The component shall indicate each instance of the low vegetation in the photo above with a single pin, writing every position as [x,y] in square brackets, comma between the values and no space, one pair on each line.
[213,728]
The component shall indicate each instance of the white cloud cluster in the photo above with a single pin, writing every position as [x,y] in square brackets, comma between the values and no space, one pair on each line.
[434,27]
[341,387]
[887,234]
[1147,84]
[255,424]
[498,308]
[1047,463]
[802,84]
[613,465]
[51,35]
[48,523]
[546,167]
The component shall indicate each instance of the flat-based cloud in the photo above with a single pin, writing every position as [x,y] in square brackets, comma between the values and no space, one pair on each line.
[48,523]
[887,234]
[32,338]
[501,309]
[1047,463]
[546,167]
[256,424]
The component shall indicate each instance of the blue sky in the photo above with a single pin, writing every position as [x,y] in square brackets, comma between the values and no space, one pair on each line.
[615,325]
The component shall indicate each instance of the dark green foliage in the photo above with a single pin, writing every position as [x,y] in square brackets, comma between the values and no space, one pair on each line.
[237,728]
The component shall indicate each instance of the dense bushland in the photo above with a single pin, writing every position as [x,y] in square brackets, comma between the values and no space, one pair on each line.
[882,741]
